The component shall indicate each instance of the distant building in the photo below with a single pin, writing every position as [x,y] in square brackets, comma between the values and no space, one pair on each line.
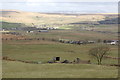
[43,31]
[4,31]
[29,31]
[113,42]
[91,41]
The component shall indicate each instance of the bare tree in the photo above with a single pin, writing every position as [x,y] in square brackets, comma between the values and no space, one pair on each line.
[99,52]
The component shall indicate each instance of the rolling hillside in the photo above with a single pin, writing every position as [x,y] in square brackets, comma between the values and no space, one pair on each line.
[32,18]
[21,46]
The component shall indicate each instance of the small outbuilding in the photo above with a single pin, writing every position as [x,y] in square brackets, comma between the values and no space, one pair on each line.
[56,58]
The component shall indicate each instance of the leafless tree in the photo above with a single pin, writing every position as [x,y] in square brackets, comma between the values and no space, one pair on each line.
[99,52]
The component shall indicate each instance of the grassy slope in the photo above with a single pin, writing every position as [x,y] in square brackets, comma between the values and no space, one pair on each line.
[45,52]
[39,18]
[22,70]
[11,25]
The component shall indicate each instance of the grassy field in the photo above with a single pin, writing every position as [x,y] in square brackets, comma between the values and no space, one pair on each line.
[22,70]
[11,25]
[43,52]
[75,35]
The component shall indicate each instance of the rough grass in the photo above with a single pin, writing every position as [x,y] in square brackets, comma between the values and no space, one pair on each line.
[11,25]
[45,52]
[38,18]
[22,70]
[75,35]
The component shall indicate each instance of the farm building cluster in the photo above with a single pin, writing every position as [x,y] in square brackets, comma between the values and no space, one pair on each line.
[58,60]
[54,60]
[28,29]
[77,61]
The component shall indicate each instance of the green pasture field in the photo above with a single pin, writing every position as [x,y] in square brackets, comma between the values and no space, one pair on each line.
[73,35]
[76,33]
[22,70]
[45,52]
